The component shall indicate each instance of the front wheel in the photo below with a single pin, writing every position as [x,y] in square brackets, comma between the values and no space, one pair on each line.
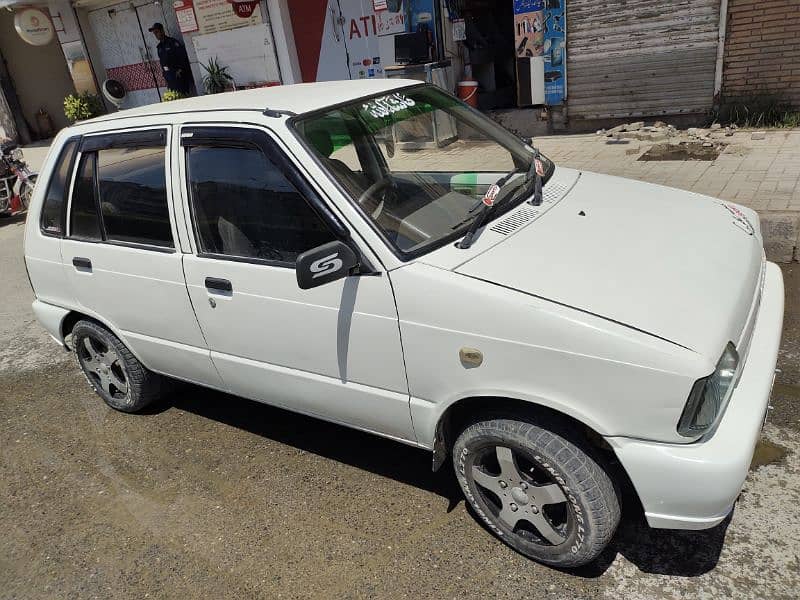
[537,490]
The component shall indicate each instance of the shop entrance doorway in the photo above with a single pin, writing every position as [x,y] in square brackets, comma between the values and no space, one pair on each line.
[490,43]
[128,50]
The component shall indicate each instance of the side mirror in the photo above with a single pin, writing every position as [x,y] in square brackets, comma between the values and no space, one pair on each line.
[324,264]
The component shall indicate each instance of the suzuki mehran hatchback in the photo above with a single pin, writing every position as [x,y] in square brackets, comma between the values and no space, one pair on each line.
[380,255]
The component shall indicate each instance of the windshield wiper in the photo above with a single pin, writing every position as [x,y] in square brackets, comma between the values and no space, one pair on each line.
[488,205]
[536,174]
[536,170]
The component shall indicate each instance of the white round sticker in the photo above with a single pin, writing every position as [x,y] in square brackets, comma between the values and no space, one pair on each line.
[34,26]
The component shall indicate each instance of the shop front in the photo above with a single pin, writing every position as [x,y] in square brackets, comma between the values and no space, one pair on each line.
[357,39]
[236,35]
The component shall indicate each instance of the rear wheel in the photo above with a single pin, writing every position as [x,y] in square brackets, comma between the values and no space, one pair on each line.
[537,489]
[112,371]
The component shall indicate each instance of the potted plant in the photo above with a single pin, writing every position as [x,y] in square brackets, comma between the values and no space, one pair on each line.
[217,78]
[78,107]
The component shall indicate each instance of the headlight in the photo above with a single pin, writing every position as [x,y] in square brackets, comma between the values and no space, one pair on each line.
[709,395]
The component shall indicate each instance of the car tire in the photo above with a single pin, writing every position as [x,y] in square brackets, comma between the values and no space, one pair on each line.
[112,371]
[538,489]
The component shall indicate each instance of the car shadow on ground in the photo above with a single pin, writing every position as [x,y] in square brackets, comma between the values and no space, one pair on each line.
[657,551]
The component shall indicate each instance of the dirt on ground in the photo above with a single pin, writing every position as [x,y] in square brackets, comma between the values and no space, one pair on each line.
[208,495]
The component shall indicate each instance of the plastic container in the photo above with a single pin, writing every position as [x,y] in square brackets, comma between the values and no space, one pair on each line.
[468,92]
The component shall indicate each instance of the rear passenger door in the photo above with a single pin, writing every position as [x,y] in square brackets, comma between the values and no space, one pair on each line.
[120,257]
[332,351]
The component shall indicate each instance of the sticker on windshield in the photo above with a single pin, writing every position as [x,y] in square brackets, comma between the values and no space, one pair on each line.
[539,167]
[388,105]
[491,194]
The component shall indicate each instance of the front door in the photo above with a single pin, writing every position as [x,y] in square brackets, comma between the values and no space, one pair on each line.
[128,50]
[332,351]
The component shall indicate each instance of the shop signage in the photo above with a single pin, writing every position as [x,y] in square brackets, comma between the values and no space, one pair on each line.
[555,53]
[222,15]
[243,9]
[184,13]
[528,27]
[34,26]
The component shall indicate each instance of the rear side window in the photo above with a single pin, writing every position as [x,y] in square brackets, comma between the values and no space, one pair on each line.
[54,208]
[120,191]
[84,222]
[133,195]
[244,206]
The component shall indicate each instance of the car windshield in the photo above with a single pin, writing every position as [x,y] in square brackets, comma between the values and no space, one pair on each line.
[417,162]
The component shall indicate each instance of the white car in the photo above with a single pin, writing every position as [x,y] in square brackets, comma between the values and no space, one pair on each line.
[327,249]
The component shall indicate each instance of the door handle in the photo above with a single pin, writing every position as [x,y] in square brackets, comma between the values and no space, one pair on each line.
[82,263]
[218,285]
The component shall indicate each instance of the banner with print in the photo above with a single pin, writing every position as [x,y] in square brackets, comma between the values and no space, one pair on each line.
[555,52]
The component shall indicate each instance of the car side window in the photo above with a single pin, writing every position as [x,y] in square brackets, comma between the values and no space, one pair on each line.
[132,189]
[84,220]
[120,190]
[54,207]
[244,206]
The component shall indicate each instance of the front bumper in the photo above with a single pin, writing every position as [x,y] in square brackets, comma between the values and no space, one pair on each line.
[694,486]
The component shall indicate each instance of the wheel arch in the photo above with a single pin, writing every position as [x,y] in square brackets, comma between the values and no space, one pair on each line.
[462,412]
[73,316]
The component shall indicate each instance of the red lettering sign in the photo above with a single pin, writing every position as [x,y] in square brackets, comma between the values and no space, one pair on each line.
[356,31]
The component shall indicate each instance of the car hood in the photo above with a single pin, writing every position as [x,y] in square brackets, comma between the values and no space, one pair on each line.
[677,265]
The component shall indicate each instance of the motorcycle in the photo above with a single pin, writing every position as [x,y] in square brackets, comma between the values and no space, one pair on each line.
[16,180]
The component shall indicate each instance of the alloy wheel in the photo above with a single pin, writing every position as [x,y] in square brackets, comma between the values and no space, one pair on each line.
[103,366]
[523,496]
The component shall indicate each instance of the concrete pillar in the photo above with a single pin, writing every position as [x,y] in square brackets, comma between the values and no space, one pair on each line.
[283,37]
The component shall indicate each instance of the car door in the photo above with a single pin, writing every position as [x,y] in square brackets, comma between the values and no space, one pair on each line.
[119,252]
[332,351]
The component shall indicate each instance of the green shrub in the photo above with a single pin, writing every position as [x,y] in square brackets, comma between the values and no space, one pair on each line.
[217,78]
[78,107]
[170,95]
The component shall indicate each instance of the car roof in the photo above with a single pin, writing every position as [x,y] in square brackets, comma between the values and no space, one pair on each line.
[296,98]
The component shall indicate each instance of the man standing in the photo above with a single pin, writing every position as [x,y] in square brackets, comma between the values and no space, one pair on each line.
[174,62]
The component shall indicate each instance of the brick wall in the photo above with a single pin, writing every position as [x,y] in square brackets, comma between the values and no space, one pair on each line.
[762,49]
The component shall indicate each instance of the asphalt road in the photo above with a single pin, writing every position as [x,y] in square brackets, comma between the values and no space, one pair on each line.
[215,496]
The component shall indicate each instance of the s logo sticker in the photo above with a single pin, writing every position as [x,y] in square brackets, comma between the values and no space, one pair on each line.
[326,265]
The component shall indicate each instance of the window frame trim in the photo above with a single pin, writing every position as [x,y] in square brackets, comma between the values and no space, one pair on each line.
[114,143]
[256,138]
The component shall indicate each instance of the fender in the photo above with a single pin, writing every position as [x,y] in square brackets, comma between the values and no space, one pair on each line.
[430,418]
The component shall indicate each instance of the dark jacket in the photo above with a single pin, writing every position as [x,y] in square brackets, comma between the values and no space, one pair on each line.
[175,64]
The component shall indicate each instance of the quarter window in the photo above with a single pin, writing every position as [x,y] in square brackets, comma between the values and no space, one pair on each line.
[244,206]
[52,221]
[133,195]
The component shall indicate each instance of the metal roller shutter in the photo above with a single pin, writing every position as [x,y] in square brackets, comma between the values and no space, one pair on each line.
[640,57]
